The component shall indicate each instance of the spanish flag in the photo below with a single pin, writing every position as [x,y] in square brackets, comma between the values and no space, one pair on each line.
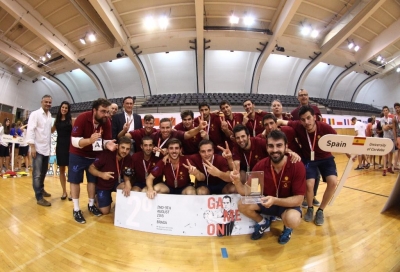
[359,140]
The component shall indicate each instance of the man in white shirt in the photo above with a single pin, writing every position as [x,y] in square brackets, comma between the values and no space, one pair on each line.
[359,128]
[38,138]
[126,117]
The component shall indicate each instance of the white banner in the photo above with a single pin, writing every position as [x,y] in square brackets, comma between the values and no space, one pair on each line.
[355,145]
[186,215]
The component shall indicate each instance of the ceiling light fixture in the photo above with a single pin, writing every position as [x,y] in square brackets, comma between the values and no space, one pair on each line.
[233,19]
[379,58]
[314,33]
[305,29]
[356,48]
[163,22]
[43,58]
[350,45]
[248,20]
[398,70]
[149,23]
[48,54]
[92,37]
[83,39]
[21,69]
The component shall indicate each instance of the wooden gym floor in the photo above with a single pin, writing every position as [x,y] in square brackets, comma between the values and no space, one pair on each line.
[355,236]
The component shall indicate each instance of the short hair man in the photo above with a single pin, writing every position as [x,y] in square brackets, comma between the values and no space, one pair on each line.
[304,100]
[138,134]
[270,123]
[284,189]
[215,170]
[308,132]
[113,108]
[247,151]
[213,127]
[277,110]
[229,121]
[252,119]
[387,126]
[39,138]
[360,128]
[91,133]
[143,162]
[177,179]
[190,146]
[165,133]
[113,171]
[131,120]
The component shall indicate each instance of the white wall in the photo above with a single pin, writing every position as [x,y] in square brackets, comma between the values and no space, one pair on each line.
[27,95]
[225,71]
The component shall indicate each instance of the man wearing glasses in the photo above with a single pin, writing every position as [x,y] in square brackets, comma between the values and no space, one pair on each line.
[304,100]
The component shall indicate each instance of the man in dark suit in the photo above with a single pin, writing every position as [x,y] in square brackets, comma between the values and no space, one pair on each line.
[126,117]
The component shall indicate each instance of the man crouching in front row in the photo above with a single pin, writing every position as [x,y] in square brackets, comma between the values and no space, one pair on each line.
[112,171]
[284,189]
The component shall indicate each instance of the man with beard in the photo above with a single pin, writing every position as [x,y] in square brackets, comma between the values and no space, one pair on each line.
[247,150]
[190,146]
[252,119]
[177,179]
[213,127]
[165,133]
[229,121]
[138,134]
[110,168]
[308,132]
[215,170]
[284,189]
[143,163]
[91,134]
[38,138]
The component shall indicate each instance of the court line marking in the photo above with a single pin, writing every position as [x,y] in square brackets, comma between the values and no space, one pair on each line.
[214,256]
[364,191]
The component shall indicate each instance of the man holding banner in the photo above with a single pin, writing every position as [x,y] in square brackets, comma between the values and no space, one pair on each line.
[284,189]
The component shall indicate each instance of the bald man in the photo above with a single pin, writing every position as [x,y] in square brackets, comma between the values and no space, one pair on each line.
[113,109]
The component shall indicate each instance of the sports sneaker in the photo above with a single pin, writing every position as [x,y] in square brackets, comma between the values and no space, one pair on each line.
[46,194]
[319,218]
[43,202]
[285,236]
[259,229]
[384,173]
[27,170]
[304,204]
[315,202]
[93,209]
[309,214]
[79,217]
[390,170]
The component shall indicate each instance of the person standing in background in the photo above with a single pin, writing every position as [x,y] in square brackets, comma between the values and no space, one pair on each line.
[39,140]
[63,126]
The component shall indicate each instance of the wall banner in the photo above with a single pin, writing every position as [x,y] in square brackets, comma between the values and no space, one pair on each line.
[185,215]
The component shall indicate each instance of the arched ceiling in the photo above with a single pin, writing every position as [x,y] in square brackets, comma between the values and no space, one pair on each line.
[30,28]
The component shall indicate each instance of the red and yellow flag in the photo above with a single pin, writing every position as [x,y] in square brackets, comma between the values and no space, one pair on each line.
[359,140]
